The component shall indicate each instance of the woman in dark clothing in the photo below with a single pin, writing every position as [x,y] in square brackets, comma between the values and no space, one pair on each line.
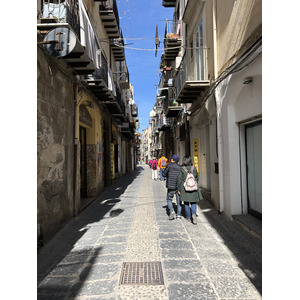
[192,197]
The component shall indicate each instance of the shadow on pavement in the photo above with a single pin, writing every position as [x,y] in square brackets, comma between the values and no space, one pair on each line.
[67,253]
[246,248]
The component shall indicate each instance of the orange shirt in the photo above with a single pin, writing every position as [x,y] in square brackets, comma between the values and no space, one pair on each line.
[160,161]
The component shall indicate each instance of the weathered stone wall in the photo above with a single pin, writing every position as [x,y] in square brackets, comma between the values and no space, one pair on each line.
[55,145]
[91,159]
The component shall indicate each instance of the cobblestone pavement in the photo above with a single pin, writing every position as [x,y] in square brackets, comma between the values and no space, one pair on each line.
[213,260]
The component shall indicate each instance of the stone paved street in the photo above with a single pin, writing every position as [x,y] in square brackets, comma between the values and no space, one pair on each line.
[213,260]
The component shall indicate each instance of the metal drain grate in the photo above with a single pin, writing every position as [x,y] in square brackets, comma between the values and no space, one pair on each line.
[146,273]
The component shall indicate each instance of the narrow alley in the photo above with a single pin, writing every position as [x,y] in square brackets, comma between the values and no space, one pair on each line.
[92,256]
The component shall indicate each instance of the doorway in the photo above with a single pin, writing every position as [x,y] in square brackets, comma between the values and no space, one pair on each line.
[83,166]
[204,158]
[116,159]
[253,134]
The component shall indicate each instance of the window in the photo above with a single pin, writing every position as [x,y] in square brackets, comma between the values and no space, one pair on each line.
[200,53]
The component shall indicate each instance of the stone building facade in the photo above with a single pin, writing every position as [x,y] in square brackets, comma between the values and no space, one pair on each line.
[210,91]
[86,125]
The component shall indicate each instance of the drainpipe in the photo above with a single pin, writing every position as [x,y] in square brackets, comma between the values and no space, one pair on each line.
[76,139]
[187,132]
[218,113]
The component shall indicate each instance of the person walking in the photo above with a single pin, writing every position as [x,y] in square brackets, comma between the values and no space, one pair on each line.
[153,166]
[171,173]
[190,198]
[162,164]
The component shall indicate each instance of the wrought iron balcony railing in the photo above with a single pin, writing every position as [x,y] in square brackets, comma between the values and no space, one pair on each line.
[172,42]
[191,80]
[109,15]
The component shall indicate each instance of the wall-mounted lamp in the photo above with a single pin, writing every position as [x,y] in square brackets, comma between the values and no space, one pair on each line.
[248,80]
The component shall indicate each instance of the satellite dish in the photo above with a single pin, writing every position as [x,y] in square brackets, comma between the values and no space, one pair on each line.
[60,42]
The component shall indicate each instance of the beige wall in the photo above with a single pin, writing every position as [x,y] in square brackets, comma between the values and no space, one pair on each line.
[94,146]
[239,26]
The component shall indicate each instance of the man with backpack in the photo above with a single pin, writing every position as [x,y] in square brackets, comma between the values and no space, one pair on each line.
[171,173]
[162,164]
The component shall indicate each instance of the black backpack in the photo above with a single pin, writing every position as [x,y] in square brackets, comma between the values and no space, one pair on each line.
[154,165]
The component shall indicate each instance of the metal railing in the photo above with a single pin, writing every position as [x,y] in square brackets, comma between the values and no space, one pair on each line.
[61,12]
[119,100]
[122,73]
[102,72]
[172,30]
[110,5]
[196,71]
[164,121]
[164,78]
[169,100]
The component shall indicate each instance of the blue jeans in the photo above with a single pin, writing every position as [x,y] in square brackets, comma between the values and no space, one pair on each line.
[162,178]
[188,210]
[170,195]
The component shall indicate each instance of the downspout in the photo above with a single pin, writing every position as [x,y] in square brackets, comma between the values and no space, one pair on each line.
[76,139]
[218,113]
[187,132]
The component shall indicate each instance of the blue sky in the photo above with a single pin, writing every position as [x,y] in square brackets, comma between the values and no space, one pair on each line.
[138,20]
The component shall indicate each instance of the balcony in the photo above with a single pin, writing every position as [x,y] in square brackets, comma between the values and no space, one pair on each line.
[172,41]
[191,85]
[127,131]
[168,3]
[155,126]
[166,78]
[66,33]
[98,82]
[122,76]
[173,110]
[117,47]
[156,146]
[110,18]
[124,80]
[134,110]
[116,107]
[165,124]
[54,15]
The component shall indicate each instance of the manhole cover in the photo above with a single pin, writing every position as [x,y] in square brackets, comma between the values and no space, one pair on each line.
[146,273]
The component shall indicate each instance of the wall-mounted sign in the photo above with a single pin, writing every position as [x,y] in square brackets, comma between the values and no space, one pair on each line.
[195,154]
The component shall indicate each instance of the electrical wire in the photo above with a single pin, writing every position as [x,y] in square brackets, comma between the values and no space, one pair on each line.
[163,49]
[140,49]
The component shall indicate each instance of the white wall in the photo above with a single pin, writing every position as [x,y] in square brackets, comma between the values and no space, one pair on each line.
[240,103]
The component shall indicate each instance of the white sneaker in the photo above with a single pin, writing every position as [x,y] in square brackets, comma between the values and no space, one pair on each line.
[194,218]
[172,215]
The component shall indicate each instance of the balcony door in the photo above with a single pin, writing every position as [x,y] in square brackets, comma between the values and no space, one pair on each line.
[200,53]
[204,158]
